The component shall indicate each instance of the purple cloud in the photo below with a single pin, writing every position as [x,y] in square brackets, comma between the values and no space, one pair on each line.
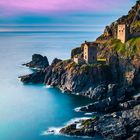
[54,6]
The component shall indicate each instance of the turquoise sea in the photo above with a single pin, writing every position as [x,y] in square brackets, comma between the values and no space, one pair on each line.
[27,111]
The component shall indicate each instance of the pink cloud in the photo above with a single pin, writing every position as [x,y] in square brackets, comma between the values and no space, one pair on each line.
[54,6]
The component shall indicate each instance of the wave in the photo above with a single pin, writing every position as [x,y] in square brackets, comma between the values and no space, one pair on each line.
[77,109]
[48,86]
[76,120]
[56,130]
[89,114]
[52,130]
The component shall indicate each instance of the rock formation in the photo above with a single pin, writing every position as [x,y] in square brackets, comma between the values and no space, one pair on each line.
[38,62]
[120,125]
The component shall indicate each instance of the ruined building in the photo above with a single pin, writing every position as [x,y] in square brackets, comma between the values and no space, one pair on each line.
[123,33]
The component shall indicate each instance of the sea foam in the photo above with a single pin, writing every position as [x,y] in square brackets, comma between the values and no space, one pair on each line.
[56,130]
[52,130]
[47,86]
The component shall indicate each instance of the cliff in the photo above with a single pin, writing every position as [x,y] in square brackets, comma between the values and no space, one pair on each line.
[69,76]
[113,85]
[121,70]
[38,62]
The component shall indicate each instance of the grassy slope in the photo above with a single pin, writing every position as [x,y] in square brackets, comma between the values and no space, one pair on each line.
[129,49]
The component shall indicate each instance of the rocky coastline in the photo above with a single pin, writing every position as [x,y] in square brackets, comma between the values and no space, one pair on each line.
[113,86]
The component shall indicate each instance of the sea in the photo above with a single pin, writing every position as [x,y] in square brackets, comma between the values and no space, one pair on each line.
[28,111]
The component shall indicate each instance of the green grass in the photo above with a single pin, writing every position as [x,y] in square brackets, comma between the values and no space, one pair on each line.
[128,49]
[133,47]
[136,24]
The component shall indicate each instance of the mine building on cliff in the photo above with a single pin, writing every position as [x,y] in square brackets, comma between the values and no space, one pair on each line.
[123,33]
[90,52]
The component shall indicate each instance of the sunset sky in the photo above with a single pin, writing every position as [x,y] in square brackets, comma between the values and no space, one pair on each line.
[41,11]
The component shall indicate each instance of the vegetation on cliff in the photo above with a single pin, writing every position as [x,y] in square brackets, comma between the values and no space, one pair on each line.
[126,50]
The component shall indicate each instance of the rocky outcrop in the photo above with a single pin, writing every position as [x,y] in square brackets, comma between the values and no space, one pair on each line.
[38,62]
[80,128]
[105,105]
[121,100]
[116,126]
[69,76]
[34,78]
[55,61]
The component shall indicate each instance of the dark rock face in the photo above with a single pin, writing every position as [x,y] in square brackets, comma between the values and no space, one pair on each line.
[38,62]
[105,105]
[117,126]
[55,61]
[111,128]
[129,104]
[34,78]
[98,92]
[114,64]
[72,77]
[124,71]
[111,98]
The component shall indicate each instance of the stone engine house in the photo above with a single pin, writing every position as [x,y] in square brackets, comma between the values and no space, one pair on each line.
[122,33]
[90,52]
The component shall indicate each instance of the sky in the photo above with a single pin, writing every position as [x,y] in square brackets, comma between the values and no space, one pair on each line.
[60,11]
